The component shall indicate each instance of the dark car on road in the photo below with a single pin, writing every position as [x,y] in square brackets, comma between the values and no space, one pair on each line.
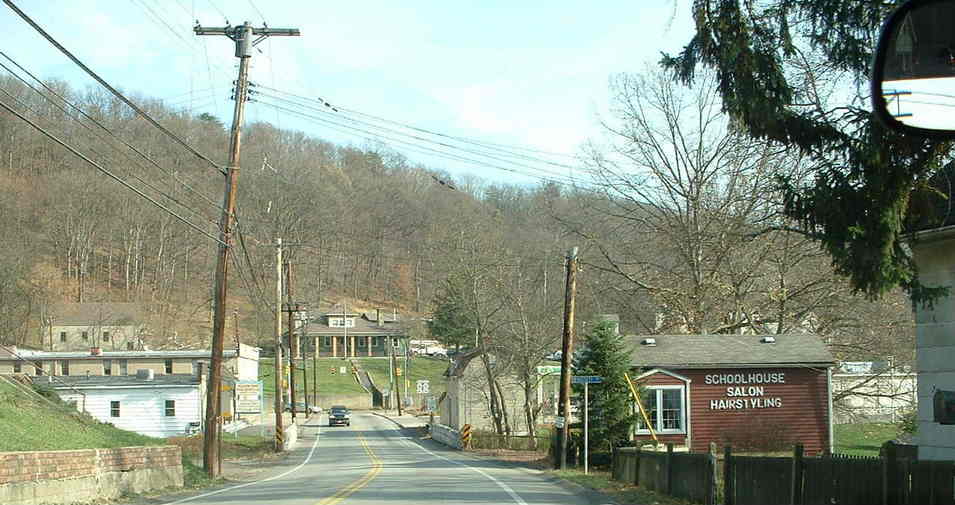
[339,414]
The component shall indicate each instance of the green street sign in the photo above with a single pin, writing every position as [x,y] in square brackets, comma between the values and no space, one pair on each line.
[548,370]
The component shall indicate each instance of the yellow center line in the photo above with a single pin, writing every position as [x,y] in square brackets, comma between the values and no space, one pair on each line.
[346,491]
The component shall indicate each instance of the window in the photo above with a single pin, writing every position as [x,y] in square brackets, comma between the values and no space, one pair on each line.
[129,346]
[85,335]
[107,367]
[64,367]
[114,408]
[17,367]
[339,322]
[168,366]
[105,336]
[664,406]
[170,408]
[327,341]
[38,368]
[123,367]
[62,336]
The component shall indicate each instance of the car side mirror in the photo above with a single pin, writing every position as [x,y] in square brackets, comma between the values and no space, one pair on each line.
[913,72]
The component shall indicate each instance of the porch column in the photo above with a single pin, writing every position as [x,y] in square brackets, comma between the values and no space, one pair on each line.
[368,340]
[334,347]
[353,346]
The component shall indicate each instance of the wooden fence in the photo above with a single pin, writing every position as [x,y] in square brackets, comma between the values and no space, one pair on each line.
[688,476]
[892,479]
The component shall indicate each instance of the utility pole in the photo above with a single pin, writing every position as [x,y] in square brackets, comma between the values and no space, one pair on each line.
[291,339]
[242,35]
[279,375]
[567,350]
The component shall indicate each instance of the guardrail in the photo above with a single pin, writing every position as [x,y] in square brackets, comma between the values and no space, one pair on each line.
[446,435]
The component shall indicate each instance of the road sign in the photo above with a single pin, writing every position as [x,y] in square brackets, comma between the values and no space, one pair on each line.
[548,370]
[431,403]
[587,379]
[248,397]
[343,370]
[559,421]
[398,371]
[424,386]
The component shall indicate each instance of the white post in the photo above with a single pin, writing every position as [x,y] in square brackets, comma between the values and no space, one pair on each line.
[586,422]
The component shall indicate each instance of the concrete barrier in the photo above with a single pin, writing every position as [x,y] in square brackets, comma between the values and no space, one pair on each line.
[88,475]
[446,435]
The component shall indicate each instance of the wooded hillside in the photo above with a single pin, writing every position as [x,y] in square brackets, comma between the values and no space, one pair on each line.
[369,225]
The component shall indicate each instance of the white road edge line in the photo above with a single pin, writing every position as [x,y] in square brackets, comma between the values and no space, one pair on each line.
[247,484]
[507,489]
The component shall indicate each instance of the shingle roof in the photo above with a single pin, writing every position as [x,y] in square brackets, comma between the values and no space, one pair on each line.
[96,313]
[104,381]
[41,355]
[712,351]
[363,328]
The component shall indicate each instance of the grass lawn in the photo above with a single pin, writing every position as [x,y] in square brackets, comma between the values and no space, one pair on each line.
[30,423]
[621,492]
[337,383]
[863,439]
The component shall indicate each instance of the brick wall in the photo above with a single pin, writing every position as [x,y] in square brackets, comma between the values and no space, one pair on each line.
[86,475]
[46,465]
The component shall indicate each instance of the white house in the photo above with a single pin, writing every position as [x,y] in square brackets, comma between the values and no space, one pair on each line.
[934,345]
[153,405]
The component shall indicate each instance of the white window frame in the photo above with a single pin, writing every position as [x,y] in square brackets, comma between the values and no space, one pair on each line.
[658,398]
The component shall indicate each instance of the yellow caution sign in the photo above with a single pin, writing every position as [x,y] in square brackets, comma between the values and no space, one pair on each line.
[398,371]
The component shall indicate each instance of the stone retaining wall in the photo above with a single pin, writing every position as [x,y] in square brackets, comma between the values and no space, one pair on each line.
[81,476]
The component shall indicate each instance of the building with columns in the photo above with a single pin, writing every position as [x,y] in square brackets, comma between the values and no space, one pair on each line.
[340,334]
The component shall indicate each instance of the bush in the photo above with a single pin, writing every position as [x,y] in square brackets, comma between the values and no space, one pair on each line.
[909,424]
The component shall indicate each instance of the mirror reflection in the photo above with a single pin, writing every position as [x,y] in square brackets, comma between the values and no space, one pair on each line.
[919,68]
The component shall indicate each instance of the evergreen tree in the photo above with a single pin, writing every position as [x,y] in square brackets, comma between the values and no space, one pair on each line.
[611,417]
[451,325]
[790,73]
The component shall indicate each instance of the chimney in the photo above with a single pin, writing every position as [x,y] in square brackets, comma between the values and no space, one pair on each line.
[145,374]
[378,316]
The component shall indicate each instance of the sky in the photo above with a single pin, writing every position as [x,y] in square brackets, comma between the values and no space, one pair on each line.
[532,74]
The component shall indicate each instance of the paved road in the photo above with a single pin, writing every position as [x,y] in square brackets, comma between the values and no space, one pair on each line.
[372,462]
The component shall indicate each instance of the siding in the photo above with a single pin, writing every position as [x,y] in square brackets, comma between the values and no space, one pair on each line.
[802,417]
[143,409]
[935,348]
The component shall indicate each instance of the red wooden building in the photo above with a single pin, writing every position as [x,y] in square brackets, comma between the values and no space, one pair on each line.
[748,391]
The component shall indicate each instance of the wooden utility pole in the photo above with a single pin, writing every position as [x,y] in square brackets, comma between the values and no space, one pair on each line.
[242,35]
[279,375]
[567,350]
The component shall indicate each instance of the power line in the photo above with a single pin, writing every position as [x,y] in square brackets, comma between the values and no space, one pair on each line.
[264,22]
[154,16]
[424,139]
[105,171]
[112,90]
[379,137]
[338,108]
[90,118]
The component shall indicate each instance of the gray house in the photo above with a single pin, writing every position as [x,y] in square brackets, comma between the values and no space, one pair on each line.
[82,326]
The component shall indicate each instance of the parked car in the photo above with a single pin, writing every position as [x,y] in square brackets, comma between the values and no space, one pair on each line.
[300,407]
[339,414]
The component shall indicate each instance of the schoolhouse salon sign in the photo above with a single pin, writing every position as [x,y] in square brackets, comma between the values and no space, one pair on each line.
[745,390]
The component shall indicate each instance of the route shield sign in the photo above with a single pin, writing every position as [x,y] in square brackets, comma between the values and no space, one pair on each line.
[424,386]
